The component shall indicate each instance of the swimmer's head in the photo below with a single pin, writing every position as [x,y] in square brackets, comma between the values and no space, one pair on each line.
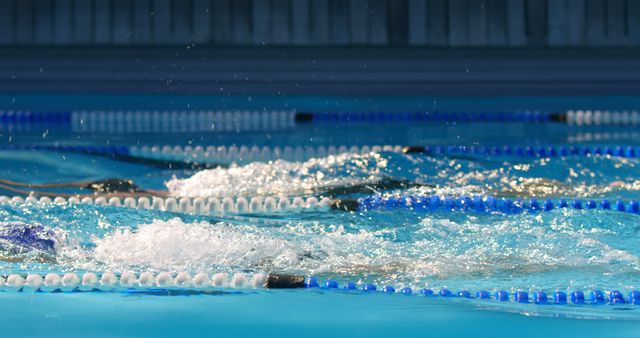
[20,238]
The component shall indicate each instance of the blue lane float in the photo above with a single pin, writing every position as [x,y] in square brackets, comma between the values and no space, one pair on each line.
[502,296]
[521,297]
[487,204]
[406,291]
[539,297]
[350,286]
[369,287]
[596,297]
[483,294]
[577,297]
[331,284]
[560,298]
[426,292]
[464,294]
[445,293]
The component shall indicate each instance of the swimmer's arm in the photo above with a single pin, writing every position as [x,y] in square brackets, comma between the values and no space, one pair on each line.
[145,193]
[75,184]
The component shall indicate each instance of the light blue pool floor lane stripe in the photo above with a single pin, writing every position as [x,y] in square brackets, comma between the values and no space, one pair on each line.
[163,282]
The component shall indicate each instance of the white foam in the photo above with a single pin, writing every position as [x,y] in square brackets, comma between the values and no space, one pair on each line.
[175,245]
[584,177]
[281,177]
[440,248]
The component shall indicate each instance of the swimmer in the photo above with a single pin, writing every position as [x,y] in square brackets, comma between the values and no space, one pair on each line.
[108,187]
[19,241]
[115,187]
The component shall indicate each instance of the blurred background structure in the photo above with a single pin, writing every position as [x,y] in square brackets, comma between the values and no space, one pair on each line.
[333,47]
[441,23]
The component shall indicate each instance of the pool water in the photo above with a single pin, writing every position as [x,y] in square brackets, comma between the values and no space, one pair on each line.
[563,249]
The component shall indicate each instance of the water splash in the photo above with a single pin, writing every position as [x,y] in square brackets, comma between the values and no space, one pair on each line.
[555,177]
[549,249]
[282,177]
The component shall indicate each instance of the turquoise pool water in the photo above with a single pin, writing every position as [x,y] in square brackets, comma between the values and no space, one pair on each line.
[564,249]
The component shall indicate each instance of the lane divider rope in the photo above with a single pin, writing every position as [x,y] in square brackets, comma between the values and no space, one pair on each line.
[246,154]
[571,117]
[131,279]
[231,120]
[488,204]
[196,206]
[577,297]
[600,136]
[528,151]
[180,121]
[108,281]
[269,205]
[153,121]
[602,117]
[430,116]
[210,154]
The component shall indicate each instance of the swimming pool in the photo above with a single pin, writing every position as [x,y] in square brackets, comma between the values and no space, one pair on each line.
[419,232]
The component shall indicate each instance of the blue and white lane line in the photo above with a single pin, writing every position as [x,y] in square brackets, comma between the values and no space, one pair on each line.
[252,153]
[129,281]
[218,206]
[153,121]
[489,204]
[141,121]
